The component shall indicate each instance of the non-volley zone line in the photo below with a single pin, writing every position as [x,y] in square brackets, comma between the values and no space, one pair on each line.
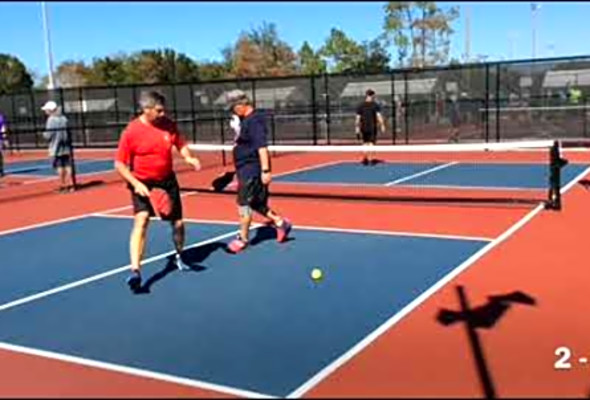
[328,229]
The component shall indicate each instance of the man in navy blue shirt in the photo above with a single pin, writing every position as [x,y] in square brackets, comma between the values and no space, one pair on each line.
[253,171]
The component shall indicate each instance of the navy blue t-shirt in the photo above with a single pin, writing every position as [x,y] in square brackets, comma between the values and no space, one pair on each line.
[252,137]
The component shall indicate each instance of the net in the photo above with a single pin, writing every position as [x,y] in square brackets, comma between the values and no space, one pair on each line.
[512,173]
[30,173]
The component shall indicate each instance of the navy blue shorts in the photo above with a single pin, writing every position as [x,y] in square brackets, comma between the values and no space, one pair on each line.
[62,161]
[253,193]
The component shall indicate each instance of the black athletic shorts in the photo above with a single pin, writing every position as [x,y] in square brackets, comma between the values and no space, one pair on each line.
[369,137]
[170,185]
[253,193]
[62,161]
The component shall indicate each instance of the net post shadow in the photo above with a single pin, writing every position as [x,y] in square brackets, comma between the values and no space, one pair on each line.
[485,316]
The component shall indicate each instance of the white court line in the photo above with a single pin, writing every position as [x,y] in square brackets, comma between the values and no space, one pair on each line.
[298,170]
[328,229]
[73,218]
[58,221]
[360,346]
[419,186]
[486,188]
[108,273]
[48,165]
[144,373]
[55,177]
[428,171]
[311,167]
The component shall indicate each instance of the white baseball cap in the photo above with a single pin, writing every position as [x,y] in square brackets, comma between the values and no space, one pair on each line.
[234,97]
[49,106]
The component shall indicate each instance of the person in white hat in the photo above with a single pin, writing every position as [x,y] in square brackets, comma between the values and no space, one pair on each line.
[253,169]
[60,147]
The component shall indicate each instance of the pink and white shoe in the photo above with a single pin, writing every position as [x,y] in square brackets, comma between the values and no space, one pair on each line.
[237,245]
[283,230]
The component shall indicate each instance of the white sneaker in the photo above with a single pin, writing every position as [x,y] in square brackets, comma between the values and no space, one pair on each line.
[181,265]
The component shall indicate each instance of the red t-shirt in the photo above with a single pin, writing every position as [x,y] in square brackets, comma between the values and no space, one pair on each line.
[147,149]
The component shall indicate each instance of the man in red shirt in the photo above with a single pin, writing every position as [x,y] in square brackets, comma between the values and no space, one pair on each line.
[144,159]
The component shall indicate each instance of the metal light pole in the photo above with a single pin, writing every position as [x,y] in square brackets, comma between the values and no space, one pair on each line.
[467,9]
[512,36]
[47,46]
[534,8]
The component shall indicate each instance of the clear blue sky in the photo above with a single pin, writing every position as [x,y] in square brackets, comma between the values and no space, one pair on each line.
[84,30]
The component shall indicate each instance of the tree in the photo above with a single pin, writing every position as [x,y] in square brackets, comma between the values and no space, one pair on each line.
[13,75]
[212,70]
[110,70]
[344,53]
[248,60]
[309,62]
[278,57]
[260,52]
[228,60]
[375,58]
[161,66]
[72,74]
[420,30]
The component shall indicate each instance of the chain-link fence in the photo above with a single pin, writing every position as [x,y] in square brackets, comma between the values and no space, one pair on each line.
[544,98]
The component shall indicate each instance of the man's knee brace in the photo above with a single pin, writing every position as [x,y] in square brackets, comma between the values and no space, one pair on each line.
[245,211]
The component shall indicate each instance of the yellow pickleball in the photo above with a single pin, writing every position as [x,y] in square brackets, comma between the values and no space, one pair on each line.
[316,274]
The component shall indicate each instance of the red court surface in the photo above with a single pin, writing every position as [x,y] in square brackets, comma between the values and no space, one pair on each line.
[537,253]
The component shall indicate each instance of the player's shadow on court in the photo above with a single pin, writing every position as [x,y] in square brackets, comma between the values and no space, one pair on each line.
[485,316]
[193,257]
[264,233]
[89,184]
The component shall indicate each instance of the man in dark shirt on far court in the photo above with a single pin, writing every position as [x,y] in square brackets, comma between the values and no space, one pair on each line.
[253,169]
[368,116]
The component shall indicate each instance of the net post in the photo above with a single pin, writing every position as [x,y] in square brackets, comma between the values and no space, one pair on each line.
[555,165]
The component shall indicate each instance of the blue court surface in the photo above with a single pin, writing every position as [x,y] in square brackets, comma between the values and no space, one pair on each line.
[254,321]
[44,167]
[453,175]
